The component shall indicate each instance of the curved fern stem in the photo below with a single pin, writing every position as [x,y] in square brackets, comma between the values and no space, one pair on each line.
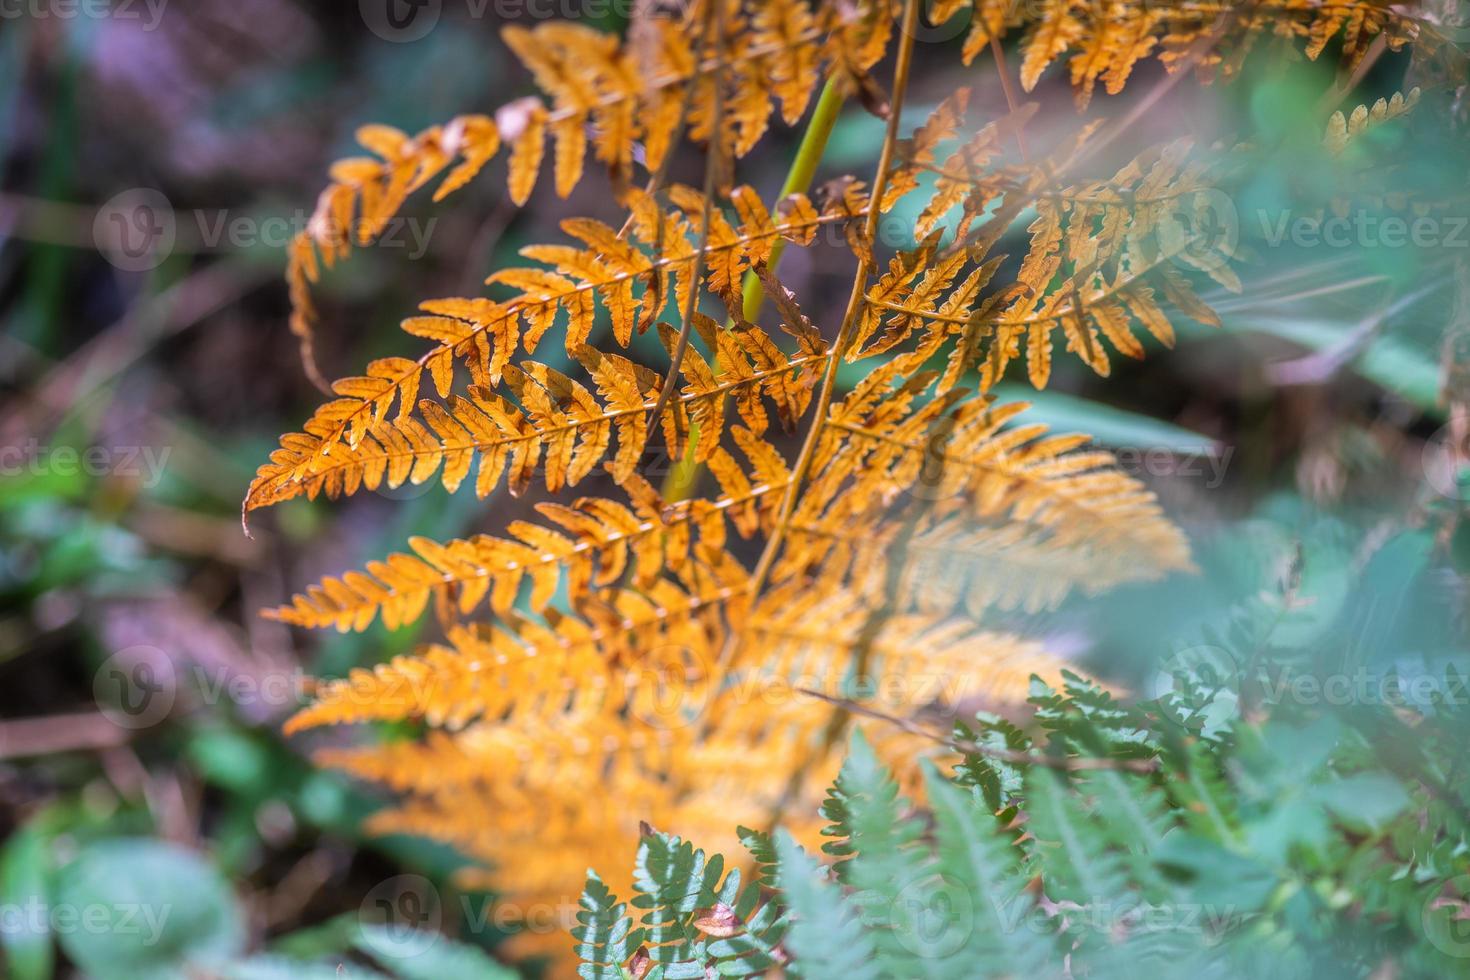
[829,383]
[681,479]
[849,317]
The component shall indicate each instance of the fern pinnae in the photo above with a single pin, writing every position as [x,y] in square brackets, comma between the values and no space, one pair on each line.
[713,159]
[590,78]
[826,932]
[849,317]
[465,329]
[987,869]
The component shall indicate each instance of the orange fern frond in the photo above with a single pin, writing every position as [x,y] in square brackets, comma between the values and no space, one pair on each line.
[596,542]
[329,454]
[631,96]
[1108,38]
[490,671]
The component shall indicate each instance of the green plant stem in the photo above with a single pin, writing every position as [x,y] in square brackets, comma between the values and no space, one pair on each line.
[798,181]
[679,484]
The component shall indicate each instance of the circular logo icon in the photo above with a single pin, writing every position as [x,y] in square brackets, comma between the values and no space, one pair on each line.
[1454,25]
[407,490]
[1446,460]
[938,476]
[135,230]
[934,917]
[135,688]
[401,917]
[1203,671]
[926,31]
[670,687]
[1446,918]
[400,21]
[1201,230]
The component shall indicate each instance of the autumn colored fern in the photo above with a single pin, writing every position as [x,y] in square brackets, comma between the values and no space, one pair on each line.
[627,658]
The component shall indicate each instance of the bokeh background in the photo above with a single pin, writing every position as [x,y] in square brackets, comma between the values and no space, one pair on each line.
[154,161]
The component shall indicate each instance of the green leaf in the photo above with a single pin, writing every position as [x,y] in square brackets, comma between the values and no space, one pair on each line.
[444,957]
[143,909]
[25,886]
[1365,802]
[605,935]
[826,936]
[1108,426]
[284,968]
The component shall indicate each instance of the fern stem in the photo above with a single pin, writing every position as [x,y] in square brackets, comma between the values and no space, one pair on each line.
[829,383]
[798,180]
[713,154]
[1066,763]
[854,302]
[681,478]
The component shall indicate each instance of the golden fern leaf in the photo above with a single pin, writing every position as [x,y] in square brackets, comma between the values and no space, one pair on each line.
[629,95]
[1097,252]
[596,543]
[1109,37]
[493,670]
[544,420]
[983,476]
[627,648]
[517,739]
[921,661]
[329,454]
[1341,130]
